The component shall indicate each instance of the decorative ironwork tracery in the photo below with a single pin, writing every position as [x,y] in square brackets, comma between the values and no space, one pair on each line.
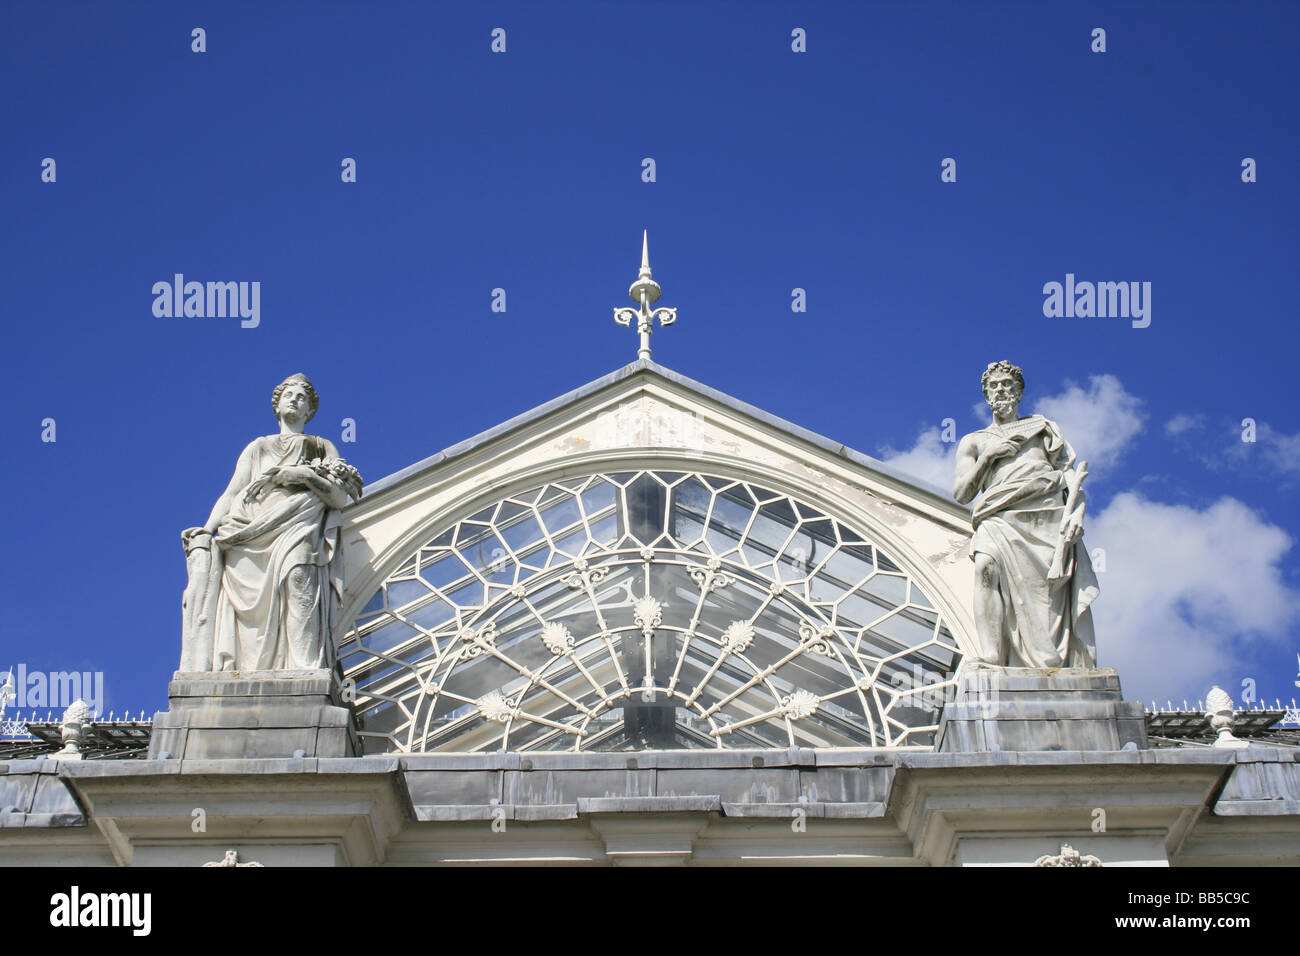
[648,610]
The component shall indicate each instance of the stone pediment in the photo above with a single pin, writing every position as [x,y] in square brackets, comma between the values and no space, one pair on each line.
[647,416]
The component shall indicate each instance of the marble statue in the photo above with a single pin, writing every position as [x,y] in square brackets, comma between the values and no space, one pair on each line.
[1034,581]
[264,583]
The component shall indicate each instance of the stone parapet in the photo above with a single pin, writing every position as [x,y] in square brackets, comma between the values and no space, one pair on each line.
[1187,806]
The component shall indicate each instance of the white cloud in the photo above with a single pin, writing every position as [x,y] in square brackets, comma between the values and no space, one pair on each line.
[1181,424]
[1283,451]
[1188,595]
[930,459]
[1276,450]
[1098,422]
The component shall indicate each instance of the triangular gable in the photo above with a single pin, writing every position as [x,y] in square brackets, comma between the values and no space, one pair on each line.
[646,415]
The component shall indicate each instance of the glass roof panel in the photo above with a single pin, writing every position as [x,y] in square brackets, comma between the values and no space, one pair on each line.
[619,612]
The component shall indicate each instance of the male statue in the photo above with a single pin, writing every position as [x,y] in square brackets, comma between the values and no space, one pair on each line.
[264,581]
[1033,579]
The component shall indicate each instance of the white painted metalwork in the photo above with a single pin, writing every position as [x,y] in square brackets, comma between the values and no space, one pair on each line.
[645,292]
[648,610]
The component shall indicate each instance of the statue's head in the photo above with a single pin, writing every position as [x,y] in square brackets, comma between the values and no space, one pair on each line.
[1002,383]
[294,384]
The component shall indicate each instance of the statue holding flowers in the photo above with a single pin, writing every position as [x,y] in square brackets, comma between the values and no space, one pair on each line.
[264,585]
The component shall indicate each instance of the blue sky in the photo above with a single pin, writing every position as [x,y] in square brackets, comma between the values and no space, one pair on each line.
[774,170]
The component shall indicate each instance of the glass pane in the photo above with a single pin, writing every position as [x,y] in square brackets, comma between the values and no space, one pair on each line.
[747,626]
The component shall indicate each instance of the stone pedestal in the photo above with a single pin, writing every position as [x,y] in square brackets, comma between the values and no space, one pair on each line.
[254,714]
[1030,708]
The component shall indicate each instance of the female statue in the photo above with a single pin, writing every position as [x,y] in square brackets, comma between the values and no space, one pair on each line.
[263,584]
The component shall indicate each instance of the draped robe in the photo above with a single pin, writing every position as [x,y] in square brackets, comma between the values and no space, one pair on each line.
[275,568]
[1046,621]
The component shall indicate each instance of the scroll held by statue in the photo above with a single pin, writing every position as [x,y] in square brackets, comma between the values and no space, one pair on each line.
[1034,582]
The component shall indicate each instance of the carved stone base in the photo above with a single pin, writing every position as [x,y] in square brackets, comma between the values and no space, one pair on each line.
[233,715]
[1030,708]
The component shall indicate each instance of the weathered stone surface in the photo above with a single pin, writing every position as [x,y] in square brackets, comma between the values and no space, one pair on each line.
[846,784]
[823,811]
[286,683]
[695,803]
[543,787]
[445,788]
[257,714]
[33,796]
[1037,709]
[558,785]
[755,786]
[1262,787]
[871,808]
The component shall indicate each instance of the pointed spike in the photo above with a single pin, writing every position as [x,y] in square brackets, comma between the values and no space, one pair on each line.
[645,250]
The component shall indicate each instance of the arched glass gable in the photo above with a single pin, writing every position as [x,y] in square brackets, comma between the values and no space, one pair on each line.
[648,610]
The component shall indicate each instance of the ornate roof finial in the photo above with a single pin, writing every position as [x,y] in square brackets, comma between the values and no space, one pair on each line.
[1219,711]
[7,691]
[645,293]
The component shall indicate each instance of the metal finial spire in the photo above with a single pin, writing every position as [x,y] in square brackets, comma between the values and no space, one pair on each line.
[645,254]
[645,293]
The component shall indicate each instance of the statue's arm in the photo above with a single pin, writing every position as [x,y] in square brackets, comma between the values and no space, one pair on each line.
[239,481]
[971,462]
[969,465]
[328,491]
